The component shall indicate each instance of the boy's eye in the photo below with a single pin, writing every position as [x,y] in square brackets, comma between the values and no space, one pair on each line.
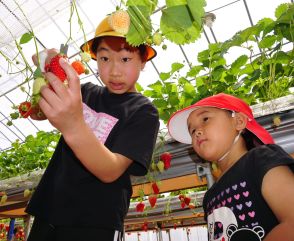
[205,119]
[126,59]
[104,59]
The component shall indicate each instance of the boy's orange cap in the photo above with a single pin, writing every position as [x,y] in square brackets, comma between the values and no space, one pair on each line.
[178,127]
[104,29]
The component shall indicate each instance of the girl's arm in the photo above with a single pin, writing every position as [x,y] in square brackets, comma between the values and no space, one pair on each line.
[278,191]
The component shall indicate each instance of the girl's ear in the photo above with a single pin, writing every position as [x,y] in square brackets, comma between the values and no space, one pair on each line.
[241,121]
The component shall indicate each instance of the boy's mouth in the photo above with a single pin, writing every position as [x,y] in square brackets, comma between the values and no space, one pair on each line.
[116,86]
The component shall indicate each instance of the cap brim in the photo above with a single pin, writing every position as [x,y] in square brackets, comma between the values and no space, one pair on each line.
[86,47]
[178,126]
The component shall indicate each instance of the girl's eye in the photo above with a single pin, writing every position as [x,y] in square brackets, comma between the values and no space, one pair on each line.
[205,119]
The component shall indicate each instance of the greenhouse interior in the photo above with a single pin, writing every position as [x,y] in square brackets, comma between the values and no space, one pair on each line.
[203,47]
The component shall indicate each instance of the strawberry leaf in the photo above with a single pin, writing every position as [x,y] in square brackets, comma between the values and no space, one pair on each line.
[25,38]
[177,25]
[196,8]
[140,27]
[38,72]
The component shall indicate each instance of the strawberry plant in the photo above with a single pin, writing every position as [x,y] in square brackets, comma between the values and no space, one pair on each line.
[33,154]
[264,77]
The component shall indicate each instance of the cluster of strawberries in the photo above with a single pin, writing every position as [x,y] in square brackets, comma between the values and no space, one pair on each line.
[163,164]
[26,108]
[186,201]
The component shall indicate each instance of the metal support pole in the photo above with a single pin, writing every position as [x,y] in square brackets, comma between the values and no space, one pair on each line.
[203,170]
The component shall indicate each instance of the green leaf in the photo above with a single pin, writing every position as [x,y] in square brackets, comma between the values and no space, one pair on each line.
[172,3]
[159,103]
[177,25]
[164,76]
[238,63]
[190,89]
[38,73]
[148,4]
[140,27]
[25,38]
[196,8]
[281,9]
[176,67]
[173,100]
[157,86]
[194,71]
[139,87]
[267,42]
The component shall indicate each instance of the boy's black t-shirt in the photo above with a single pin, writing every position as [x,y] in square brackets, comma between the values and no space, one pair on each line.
[234,206]
[68,194]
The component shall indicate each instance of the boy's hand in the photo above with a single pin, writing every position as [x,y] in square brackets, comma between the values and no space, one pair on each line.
[50,53]
[63,106]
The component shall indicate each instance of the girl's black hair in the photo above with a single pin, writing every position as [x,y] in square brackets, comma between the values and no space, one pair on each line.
[142,48]
[251,140]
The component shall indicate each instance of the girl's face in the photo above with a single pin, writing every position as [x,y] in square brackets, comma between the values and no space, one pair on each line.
[118,66]
[213,131]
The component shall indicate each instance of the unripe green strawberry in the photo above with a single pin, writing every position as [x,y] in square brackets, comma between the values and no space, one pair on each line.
[160,166]
[27,193]
[38,84]
[157,38]
[277,121]
[153,166]
[3,199]
[86,57]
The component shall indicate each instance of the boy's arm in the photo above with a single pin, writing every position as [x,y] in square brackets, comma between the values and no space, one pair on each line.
[278,191]
[63,108]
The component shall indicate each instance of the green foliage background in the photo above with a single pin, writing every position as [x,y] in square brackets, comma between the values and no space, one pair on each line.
[253,78]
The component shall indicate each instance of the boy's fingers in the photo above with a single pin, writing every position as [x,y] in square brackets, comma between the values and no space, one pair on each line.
[72,76]
[56,84]
[45,56]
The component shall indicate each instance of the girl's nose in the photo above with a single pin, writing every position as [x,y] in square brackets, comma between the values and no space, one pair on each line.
[198,133]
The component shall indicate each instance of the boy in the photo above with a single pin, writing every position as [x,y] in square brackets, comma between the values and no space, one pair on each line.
[252,200]
[108,134]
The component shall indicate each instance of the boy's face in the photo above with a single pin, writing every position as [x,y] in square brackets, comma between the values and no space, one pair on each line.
[212,131]
[119,68]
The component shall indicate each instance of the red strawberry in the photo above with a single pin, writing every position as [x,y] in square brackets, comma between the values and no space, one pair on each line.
[145,226]
[166,158]
[25,109]
[155,188]
[183,204]
[182,197]
[187,200]
[152,200]
[78,66]
[140,207]
[55,68]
